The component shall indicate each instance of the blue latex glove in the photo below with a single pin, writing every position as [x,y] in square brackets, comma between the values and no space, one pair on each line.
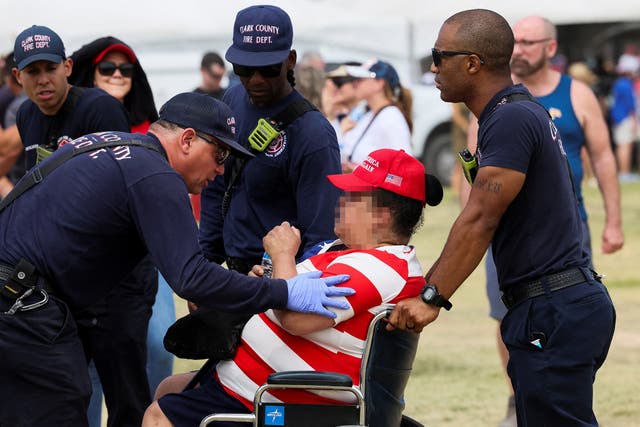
[308,293]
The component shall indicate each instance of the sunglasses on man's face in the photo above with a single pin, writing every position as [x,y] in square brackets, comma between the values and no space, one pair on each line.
[438,54]
[108,68]
[223,151]
[268,71]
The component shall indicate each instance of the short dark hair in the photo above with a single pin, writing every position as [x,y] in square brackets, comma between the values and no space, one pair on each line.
[210,58]
[486,33]
[406,213]
[9,63]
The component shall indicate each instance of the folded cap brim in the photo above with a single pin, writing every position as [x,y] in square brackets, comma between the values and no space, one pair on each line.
[50,57]
[255,59]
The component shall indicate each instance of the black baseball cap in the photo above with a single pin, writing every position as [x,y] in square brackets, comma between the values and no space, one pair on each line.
[204,114]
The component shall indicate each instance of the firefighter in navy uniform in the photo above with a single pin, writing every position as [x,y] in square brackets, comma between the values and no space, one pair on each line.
[286,180]
[108,206]
[114,331]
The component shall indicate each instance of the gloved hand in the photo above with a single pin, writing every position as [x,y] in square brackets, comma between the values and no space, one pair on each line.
[309,293]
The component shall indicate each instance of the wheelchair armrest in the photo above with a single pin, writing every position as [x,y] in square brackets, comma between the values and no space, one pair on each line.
[311,378]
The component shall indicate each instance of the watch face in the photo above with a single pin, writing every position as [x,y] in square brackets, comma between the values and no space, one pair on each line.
[429,293]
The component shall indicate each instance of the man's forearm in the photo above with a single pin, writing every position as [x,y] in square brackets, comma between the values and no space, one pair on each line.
[605,171]
[465,247]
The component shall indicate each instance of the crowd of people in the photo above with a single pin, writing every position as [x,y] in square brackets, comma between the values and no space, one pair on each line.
[265,161]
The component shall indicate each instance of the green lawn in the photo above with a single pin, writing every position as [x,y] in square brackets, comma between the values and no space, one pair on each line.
[457,378]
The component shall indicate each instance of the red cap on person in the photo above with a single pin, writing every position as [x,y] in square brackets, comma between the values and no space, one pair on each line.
[395,171]
[117,47]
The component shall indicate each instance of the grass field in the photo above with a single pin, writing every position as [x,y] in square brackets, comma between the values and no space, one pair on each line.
[457,378]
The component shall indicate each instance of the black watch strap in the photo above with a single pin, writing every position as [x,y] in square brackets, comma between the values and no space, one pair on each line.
[430,295]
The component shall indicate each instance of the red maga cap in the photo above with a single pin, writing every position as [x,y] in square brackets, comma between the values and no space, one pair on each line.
[392,170]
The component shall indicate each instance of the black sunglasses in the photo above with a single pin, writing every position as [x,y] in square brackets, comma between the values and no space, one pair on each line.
[223,151]
[340,81]
[268,71]
[437,55]
[107,68]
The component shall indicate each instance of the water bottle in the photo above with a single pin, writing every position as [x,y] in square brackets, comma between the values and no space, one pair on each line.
[267,264]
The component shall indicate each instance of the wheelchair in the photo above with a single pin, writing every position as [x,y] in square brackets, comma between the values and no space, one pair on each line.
[378,401]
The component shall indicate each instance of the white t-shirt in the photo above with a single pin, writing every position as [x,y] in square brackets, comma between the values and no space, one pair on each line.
[388,130]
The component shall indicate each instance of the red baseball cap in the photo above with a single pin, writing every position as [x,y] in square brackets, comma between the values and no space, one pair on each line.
[395,171]
[118,47]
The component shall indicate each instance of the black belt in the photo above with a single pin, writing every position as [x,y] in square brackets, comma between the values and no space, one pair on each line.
[242,265]
[554,282]
[21,282]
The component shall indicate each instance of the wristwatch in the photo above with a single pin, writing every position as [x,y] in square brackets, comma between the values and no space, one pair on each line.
[430,295]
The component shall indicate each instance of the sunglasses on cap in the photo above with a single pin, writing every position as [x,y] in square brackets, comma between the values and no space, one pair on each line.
[223,151]
[438,54]
[107,68]
[268,71]
[340,81]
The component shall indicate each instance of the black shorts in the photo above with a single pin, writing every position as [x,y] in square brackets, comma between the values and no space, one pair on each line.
[188,408]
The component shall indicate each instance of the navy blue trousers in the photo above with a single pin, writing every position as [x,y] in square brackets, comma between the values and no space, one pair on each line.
[114,335]
[43,370]
[556,344]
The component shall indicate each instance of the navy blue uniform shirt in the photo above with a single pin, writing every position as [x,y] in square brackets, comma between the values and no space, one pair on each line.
[104,210]
[95,110]
[286,182]
[541,231]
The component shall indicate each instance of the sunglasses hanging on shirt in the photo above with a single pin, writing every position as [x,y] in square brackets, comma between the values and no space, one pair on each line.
[107,68]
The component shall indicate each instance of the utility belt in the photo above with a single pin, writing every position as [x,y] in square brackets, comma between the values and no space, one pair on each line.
[242,265]
[550,283]
[20,282]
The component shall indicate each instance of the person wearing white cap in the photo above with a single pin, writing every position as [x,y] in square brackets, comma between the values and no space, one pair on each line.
[387,122]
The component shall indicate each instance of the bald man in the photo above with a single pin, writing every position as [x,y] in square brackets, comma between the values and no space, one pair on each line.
[577,115]
[560,318]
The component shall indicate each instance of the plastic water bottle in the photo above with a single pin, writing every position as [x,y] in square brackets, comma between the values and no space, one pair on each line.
[267,264]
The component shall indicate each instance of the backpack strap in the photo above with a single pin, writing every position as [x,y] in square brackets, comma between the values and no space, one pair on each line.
[291,112]
[39,172]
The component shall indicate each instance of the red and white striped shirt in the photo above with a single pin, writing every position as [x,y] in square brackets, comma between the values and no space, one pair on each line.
[379,276]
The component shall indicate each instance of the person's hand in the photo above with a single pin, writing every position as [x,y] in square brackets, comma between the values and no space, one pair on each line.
[412,314]
[282,241]
[612,239]
[308,293]
[256,271]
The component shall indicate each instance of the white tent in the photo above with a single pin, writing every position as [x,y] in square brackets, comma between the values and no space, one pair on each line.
[171,36]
